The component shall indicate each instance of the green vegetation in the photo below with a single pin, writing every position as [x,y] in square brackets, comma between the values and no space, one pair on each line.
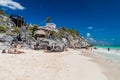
[16,30]
[64,28]
[58,35]
[72,31]
[1,20]
[3,29]
[2,12]
[33,28]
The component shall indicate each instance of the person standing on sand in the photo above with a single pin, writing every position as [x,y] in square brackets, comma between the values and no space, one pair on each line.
[108,49]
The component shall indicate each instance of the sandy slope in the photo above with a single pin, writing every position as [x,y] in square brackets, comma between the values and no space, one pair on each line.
[37,65]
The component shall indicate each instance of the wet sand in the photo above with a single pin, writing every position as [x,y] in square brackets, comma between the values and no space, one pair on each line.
[110,68]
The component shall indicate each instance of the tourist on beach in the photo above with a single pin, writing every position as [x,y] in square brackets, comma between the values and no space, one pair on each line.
[3,51]
[15,51]
[108,49]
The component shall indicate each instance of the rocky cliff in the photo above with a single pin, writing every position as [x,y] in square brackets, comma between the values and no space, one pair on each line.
[6,21]
[58,42]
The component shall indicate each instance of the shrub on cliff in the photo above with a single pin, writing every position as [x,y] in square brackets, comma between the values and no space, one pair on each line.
[16,30]
[3,12]
[33,28]
[3,29]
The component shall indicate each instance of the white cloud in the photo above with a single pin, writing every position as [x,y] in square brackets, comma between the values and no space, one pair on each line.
[90,38]
[11,4]
[90,27]
[88,35]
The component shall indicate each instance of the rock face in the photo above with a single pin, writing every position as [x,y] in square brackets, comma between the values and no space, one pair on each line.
[63,40]
[50,45]
[5,41]
[78,42]
[6,21]
[6,38]
[23,33]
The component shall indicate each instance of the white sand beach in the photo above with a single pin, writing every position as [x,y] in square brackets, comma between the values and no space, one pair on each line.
[37,65]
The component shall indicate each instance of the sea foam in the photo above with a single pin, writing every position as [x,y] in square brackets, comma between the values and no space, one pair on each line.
[112,54]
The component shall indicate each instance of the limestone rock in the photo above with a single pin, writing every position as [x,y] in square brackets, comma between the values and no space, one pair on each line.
[6,21]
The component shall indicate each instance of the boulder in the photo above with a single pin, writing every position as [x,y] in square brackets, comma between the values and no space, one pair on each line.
[58,47]
[6,38]
[50,45]
[65,41]
[4,45]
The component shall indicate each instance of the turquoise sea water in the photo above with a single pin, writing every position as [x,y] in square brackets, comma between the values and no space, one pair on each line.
[113,54]
[111,47]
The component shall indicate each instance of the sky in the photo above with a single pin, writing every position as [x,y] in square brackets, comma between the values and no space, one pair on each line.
[97,20]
